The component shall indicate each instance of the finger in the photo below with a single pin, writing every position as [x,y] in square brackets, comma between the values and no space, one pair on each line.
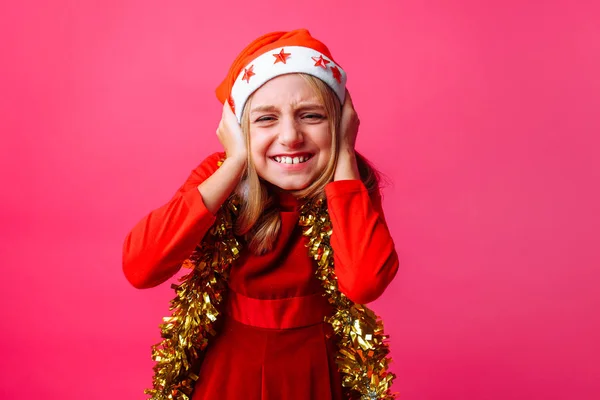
[348,100]
[227,108]
[348,105]
[229,115]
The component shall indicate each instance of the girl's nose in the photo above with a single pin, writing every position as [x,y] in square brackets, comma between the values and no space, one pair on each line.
[289,134]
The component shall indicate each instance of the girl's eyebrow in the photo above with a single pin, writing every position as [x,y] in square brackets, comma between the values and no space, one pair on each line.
[265,108]
[301,105]
[308,104]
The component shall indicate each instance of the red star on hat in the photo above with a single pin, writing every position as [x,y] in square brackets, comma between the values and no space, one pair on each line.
[282,56]
[248,73]
[320,62]
[336,74]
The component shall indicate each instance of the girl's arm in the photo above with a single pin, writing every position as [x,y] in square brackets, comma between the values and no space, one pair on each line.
[364,254]
[155,248]
[157,245]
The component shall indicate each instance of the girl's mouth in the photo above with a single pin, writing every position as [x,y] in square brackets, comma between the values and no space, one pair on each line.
[292,159]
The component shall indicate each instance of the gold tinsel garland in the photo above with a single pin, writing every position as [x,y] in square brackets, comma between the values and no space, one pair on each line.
[194,311]
[363,351]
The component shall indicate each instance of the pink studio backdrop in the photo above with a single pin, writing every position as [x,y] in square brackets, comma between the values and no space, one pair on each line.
[483,115]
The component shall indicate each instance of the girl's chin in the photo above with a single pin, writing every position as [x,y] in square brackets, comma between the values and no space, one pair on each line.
[292,182]
[288,186]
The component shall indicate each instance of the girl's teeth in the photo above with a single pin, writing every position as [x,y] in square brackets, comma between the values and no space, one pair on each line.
[290,160]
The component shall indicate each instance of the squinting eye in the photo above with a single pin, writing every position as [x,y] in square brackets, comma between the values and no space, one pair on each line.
[261,119]
[314,116]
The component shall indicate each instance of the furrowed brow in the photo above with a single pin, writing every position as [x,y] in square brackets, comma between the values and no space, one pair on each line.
[308,104]
[265,108]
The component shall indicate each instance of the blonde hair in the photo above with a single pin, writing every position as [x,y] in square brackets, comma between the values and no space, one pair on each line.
[259,221]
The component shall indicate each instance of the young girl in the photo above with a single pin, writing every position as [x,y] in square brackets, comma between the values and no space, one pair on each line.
[286,239]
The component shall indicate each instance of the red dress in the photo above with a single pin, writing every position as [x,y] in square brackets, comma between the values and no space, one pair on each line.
[273,343]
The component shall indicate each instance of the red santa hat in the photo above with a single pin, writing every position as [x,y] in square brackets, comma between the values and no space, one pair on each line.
[275,54]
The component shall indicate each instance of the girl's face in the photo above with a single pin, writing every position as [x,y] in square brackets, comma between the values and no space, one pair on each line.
[290,139]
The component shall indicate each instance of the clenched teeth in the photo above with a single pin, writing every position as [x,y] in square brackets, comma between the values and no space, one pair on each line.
[291,160]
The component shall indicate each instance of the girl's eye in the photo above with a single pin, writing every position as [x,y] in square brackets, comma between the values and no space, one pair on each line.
[265,118]
[314,116]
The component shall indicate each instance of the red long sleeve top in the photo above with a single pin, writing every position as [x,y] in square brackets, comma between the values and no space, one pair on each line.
[364,254]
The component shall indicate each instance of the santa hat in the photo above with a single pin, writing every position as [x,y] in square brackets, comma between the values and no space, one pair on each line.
[276,54]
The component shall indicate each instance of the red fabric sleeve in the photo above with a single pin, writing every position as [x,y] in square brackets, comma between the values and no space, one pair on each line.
[157,245]
[364,255]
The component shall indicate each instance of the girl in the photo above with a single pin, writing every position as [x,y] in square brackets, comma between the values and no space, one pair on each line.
[286,239]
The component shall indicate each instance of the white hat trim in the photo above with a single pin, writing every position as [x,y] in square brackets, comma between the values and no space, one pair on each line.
[297,60]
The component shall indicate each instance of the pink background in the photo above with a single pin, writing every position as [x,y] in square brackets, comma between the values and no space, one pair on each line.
[484,115]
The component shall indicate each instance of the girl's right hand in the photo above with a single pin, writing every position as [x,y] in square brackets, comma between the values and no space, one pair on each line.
[231,136]
[218,187]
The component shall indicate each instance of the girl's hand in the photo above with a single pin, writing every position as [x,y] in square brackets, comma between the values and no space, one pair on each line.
[346,167]
[218,187]
[348,125]
[231,136]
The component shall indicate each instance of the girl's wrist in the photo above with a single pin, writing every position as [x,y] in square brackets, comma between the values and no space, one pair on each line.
[238,160]
[347,167]
[236,163]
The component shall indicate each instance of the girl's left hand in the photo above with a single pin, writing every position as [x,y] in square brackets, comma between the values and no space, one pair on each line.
[346,167]
[348,125]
